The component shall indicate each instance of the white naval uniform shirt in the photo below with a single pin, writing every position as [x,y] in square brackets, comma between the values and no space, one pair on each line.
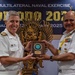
[70,47]
[11,46]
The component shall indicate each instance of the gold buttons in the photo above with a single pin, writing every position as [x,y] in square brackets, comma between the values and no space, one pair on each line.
[65,50]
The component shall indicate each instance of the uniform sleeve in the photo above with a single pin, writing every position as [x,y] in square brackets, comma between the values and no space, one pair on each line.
[3,48]
[72,46]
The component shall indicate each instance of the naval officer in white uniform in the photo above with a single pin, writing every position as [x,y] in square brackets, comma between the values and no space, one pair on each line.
[11,49]
[65,54]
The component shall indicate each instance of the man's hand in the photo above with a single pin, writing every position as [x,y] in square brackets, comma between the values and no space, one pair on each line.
[43,57]
[28,46]
[29,56]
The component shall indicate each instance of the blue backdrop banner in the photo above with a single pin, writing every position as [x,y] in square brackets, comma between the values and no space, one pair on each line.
[49,10]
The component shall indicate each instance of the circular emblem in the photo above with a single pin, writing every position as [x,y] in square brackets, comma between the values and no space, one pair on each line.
[37,46]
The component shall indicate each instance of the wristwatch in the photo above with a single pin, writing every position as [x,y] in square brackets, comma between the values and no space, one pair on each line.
[51,58]
[25,50]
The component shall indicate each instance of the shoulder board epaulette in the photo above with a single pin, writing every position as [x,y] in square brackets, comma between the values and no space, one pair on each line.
[71,33]
[3,34]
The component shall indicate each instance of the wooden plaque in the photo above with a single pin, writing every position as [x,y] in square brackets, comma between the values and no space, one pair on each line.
[38,48]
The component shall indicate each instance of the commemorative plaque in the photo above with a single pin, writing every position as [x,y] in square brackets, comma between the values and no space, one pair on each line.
[38,48]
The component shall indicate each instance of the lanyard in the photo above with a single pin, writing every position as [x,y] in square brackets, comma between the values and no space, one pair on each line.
[67,39]
[61,44]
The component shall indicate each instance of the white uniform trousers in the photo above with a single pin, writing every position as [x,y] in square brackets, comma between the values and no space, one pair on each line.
[67,72]
[9,73]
